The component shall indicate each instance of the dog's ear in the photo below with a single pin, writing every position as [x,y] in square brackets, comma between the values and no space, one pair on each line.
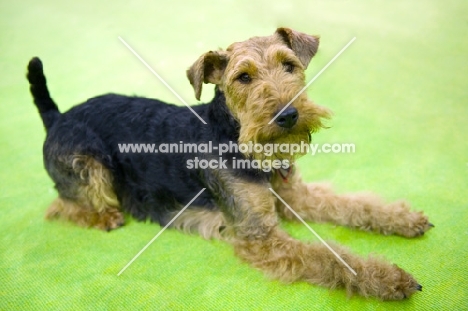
[209,68]
[303,45]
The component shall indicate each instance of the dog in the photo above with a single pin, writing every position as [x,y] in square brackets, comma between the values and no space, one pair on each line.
[254,82]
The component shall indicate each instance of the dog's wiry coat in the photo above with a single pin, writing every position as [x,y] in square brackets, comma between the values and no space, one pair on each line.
[254,80]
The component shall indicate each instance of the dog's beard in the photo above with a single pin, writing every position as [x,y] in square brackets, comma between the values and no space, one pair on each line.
[287,144]
[281,152]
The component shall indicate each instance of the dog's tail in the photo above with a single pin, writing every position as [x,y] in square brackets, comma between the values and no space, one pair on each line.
[47,108]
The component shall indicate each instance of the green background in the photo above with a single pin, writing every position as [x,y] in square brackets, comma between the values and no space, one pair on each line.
[399,93]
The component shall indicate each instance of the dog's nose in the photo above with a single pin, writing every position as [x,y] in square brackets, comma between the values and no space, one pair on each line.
[288,118]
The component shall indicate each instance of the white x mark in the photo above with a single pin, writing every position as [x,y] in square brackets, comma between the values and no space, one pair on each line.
[159,233]
[313,79]
[315,233]
[161,79]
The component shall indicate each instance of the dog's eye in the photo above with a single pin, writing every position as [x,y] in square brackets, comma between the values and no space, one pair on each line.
[289,67]
[244,78]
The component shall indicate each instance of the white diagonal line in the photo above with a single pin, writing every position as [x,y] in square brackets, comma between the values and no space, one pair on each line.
[160,79]
[159,233]
[315,233]
[313,79]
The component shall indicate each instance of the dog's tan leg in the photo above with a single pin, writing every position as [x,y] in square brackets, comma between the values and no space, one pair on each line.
[258,240]
[88,199]
[318,202]
[284,258]
[209,224]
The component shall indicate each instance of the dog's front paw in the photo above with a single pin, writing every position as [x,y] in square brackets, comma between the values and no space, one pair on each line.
[398,285]
[386,281]
[405,222]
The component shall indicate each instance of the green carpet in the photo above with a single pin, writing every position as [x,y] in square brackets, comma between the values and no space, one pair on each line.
[399,93]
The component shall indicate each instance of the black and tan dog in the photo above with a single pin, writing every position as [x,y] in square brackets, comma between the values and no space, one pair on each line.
[254,80]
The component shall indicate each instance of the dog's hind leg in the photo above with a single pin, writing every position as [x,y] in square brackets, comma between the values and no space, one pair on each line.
[86,194]
[209,224]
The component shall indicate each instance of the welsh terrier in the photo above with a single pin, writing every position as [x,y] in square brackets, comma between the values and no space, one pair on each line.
[255,80]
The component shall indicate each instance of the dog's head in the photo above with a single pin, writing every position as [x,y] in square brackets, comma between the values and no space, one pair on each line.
[263,80]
